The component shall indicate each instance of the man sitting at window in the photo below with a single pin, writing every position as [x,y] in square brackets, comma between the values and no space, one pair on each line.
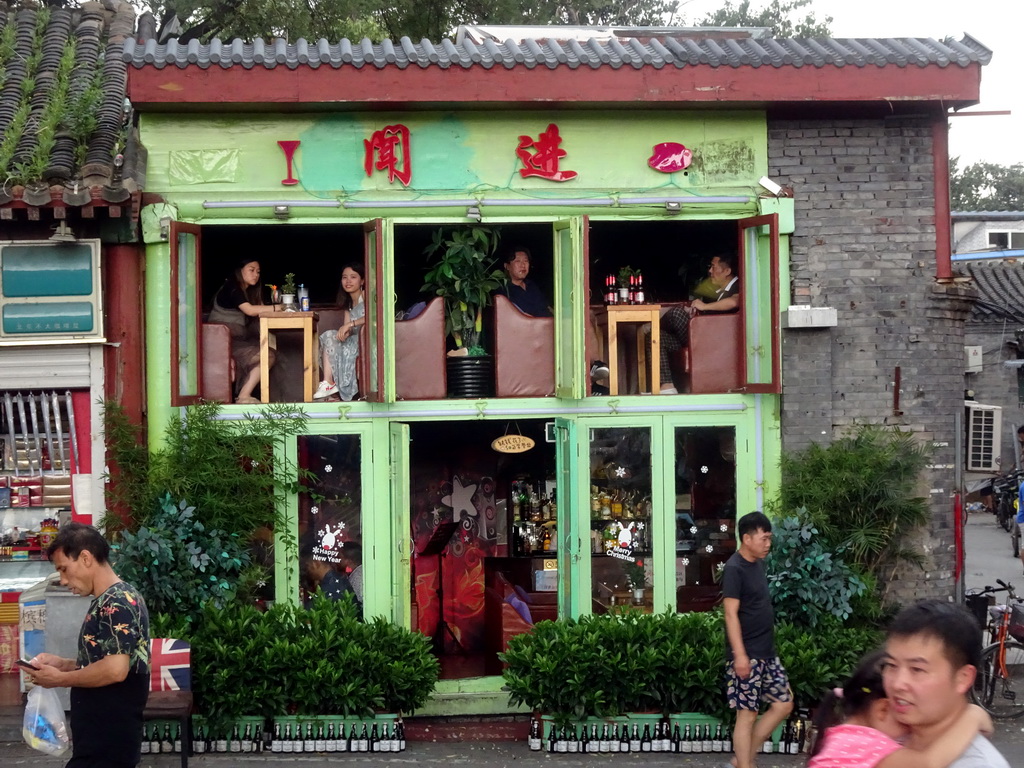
[675,323]
[525,294]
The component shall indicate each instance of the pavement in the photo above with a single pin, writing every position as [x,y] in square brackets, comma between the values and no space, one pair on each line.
[988,558]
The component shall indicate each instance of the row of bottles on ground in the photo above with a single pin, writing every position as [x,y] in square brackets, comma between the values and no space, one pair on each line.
[531,503]
[618,503]
[628,737]
[308,738]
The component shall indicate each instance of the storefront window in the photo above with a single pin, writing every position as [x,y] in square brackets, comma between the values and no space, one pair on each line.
[621,537]
[705,482]
[330,519]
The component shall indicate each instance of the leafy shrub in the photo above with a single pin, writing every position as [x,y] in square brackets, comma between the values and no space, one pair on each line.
[606,665]
[290,660]
[806,581]
[859,491]
[179,564]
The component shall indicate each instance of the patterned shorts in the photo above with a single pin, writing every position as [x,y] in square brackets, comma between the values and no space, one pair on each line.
[768,682]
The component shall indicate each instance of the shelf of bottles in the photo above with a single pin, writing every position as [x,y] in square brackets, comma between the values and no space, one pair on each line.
[534,519]
[314,735]
[673,735]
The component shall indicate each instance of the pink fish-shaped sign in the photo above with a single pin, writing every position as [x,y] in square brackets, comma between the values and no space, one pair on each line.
[669,157]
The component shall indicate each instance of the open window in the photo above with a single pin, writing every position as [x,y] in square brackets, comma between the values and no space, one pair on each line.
[759,280]
[186,317]
[572,275]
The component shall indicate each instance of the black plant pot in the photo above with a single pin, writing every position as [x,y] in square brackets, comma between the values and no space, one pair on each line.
[471,376]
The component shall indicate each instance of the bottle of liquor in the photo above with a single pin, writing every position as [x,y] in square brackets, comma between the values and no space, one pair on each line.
[609,289]
[595,739]
[676,740]
[645,740]
[686,745]
[634,739]
[275,744]
[385,736]
[309,739]
[727,741]
[602,745]
[534,738]
[768,747]
[154,739]
[400,734]
[624,738]
[374,739]
[166,742]
[245,743]
[706,743]
[572,743]
[666,737]
[144,746]
[552,737]
[656,744]
[717,743]
[639,296]
[364,739]
[613,739]
[562,745]
[319,740]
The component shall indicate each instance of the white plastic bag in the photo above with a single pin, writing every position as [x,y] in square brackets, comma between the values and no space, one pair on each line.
[43,727]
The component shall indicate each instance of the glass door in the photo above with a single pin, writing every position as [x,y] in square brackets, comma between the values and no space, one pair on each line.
[619,524]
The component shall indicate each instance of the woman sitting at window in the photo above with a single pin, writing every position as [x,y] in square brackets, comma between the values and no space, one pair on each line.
[237,304]
[341,348]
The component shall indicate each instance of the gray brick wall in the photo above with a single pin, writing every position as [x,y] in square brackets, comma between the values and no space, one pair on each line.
[865,244]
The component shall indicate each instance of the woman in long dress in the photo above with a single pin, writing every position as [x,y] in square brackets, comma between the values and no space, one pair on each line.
[238,303]
[340,349]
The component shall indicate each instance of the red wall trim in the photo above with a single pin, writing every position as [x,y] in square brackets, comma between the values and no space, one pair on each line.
[176,87]
[943,236]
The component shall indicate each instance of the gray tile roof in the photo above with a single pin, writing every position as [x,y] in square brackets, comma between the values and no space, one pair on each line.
[66,142]
[687,48]
[1000,292]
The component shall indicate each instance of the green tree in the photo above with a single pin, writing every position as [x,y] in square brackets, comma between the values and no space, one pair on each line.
[782,17]
[986,186]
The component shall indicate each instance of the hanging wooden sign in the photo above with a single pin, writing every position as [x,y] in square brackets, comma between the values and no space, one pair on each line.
[513,444]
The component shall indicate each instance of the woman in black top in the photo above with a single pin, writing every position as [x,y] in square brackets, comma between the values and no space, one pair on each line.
[237,304]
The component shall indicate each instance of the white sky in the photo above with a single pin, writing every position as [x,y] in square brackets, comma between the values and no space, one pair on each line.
[994,23]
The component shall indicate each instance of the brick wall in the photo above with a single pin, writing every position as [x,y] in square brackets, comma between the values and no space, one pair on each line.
[865,244]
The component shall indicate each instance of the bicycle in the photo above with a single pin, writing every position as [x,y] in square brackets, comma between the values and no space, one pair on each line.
[1001,672]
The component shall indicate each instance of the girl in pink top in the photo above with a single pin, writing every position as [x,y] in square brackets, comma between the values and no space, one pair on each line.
[856,728]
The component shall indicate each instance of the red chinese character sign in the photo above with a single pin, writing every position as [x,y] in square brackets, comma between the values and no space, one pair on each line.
[388,150]
[540,156]
[669,157]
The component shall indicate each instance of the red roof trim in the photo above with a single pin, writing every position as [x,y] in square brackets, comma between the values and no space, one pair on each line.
[179,88]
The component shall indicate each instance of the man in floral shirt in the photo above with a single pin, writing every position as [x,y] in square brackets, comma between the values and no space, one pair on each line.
[109,680]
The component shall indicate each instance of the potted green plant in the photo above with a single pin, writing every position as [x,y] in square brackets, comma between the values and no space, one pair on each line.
[637,578]
[625,273]
[464,272]
[288,290]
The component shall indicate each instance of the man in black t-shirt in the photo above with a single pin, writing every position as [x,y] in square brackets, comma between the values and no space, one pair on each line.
[109,680]
[754,674]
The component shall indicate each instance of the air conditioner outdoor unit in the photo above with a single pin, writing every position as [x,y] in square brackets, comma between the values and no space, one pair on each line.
[984,437]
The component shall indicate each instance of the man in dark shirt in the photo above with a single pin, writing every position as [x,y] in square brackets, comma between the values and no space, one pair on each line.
[524,293]
[675,324]
[753,672]
[109,680]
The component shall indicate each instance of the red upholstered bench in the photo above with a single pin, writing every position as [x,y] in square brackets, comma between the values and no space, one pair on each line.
[524,352]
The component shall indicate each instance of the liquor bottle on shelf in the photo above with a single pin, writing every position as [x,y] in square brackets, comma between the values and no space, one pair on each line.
[603,746]
[144,746]
[362,741]
[400,734]
[640,298]
[768,747]
[374,739]
[584,745]
[634,739]
[551,738]
[645,740]
[573,742]
[330,739]
[534,738]
[705,745]
[686,744]
[656,745]
[246,741]
[309,740]
[394,737]
[595,739]
[717,743]
[166,742]
[666,737]
[562,745]
[320,740]
[624,738]
[610,294]
[385,737]
[613,739]
[343,743]
[727,741]
[154,740]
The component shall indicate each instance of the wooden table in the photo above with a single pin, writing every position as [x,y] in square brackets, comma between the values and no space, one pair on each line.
[635,313]
[290,321]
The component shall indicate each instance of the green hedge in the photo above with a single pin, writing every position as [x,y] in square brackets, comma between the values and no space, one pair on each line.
[289,660]
[604,666]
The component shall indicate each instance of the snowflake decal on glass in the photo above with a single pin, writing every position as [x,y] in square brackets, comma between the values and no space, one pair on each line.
[620,471]
[329,468]
[255,464]
[709,549]
[723,528]
[639,526]
[693,529]
[685,561]
[704,469]
[314,509]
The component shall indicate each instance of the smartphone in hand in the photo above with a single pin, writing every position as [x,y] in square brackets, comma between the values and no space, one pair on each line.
[27,664]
